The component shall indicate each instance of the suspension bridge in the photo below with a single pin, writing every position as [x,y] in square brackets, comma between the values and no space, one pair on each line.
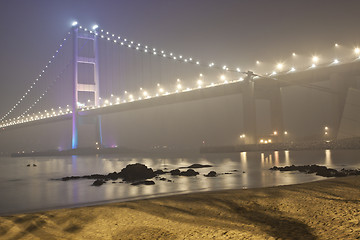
[83,86]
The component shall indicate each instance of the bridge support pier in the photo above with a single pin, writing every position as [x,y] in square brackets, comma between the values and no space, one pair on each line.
[269,90]
[91,86]
[276,112]
[249,110]
[341,85]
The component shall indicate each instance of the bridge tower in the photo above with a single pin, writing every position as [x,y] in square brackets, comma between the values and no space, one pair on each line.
[90,86]
[249,107]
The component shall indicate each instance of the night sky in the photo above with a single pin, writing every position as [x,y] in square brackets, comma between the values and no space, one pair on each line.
[230,32]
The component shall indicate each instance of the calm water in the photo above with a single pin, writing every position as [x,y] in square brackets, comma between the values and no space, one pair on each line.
[24,189]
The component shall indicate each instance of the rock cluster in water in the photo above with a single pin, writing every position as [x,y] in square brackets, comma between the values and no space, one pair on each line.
[135,174]
[189,172]
[211,174]
[319,170]
[197,165]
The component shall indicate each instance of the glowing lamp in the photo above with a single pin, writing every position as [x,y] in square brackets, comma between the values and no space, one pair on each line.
[357,50]
[280,66]
[315,59]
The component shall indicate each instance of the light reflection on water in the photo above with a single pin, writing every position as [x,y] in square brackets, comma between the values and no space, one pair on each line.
[30,188]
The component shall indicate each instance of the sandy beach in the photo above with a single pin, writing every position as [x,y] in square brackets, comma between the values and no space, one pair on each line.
[328,209]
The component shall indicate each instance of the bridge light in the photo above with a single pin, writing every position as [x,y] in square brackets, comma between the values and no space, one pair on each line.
[257,62]
[238,70]
[336,61]
[199,82]
[145,93]
[178,86]
[294,54]
[222,77]
[313,65]
[279,66]
[336,45]
[315,59]
[74,23]
[292,69]
[357,50]
[95,27]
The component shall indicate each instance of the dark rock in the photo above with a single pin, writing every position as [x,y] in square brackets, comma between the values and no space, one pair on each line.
[169,180]
[114,176]
[189,173]
[196,165]
[175,172]
[98,182]
[211,174]
[159,172]
[137,171]
[71,178]
[318,170]
[34,165]
[162,179]
[143,182]
[28,165]
[132,172]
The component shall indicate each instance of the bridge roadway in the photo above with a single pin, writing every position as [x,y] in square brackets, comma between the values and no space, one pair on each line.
[300,78]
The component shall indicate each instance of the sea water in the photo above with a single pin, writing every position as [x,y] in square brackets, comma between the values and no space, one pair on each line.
[34,188]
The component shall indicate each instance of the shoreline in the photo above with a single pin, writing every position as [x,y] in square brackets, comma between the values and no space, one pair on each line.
[325,209]
[342,144]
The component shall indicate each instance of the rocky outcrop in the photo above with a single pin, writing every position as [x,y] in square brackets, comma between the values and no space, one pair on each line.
[137,171]
[196,165]
[188,173]
[131,173]
[318,170]
[211,174]
[145,182]
[98,182]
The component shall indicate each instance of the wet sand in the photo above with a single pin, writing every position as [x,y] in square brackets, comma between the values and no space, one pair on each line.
[328,209]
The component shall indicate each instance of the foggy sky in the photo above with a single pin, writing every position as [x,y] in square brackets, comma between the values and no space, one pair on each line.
[235,33]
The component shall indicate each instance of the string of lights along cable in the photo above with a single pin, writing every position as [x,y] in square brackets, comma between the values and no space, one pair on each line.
[278,69]
[37,79]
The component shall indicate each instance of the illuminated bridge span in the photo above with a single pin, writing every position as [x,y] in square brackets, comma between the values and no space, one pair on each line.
[86,85]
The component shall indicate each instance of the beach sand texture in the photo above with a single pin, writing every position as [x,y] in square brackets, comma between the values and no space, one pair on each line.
[328,209]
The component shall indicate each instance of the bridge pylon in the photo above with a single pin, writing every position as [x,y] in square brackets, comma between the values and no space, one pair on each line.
[83,85]
[249,107]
